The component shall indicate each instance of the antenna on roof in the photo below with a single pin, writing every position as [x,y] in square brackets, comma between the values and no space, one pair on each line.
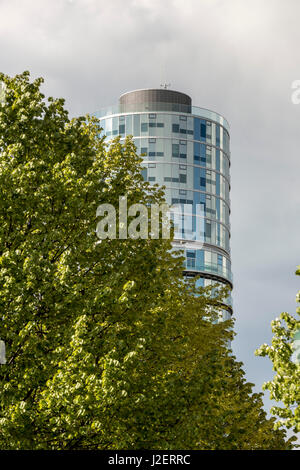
[165,85]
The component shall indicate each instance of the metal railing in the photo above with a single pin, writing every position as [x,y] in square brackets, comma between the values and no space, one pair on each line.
[163,107]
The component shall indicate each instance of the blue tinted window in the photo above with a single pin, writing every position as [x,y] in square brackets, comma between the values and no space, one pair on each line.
[202,178]
[196,197]
[191,258]
[128,125]
[203,130]
[200,282]
[196,179]
[218,185]
[196,152]
[115,125]
[136,124]
[200,257]
[190,262]
[217,135]
[207,229]
[218,208]
[203,154]
[175,150]
[197,129]
[218,160]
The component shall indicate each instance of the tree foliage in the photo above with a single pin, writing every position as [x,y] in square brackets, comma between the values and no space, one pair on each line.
[107,346]
[285,386]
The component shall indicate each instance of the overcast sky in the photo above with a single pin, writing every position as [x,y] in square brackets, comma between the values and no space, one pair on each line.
[236,57]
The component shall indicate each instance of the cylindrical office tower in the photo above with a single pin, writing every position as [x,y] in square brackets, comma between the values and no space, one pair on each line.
[186,149]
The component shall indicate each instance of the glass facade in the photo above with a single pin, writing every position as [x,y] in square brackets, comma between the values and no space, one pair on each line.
[187,150]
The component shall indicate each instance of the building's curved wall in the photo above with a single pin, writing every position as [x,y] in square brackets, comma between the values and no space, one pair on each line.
[153,95]
[190,156]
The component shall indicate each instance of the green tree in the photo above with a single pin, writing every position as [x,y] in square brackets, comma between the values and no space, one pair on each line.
[285,386]
[108,347]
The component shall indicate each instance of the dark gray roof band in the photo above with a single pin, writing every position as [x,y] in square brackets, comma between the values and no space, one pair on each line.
[156,98]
